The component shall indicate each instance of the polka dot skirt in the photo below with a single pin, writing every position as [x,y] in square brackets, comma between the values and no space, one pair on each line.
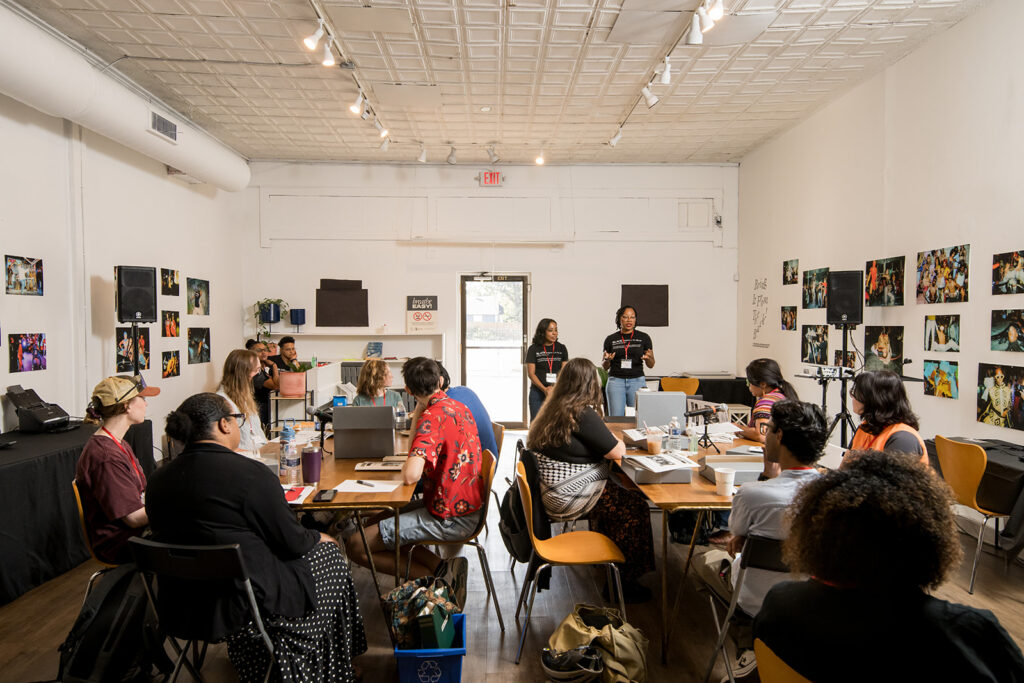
[316,647]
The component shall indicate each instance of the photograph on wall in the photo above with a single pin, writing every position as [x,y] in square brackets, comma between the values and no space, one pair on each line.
[1008,273]
[997,387]
[883,281]
[815,293]
[170,364]
[1007,326]
[943,274]
[791,271]
[789,318]
[170,324]
[198,293]
[941,378]
[851,359]
[814,344]
[942,333]
[883,348]
[169,282]
[126,350]
[24,275]
[27,352]
[198,345]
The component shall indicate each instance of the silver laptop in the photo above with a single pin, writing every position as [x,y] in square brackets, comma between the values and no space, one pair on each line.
[364,432]
[657,408]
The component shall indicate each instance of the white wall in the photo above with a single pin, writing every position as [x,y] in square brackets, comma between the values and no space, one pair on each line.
[923,156]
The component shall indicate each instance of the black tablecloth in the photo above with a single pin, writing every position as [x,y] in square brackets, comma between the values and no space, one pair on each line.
[40,535]
[725,390]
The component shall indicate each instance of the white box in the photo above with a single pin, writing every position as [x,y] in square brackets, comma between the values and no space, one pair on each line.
[748,467]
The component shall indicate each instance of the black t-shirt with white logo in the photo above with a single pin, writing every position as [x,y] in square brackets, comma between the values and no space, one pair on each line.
[546,358]
[636,344]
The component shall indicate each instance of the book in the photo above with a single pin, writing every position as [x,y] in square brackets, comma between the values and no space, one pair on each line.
[374,349]
[663,462]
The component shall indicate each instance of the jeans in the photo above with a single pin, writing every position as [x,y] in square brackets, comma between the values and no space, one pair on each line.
[621,392]
[536,399]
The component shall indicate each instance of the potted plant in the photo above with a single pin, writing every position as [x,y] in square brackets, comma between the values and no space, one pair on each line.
[266,312]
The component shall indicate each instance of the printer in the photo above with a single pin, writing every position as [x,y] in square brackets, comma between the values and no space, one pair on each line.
[35,414]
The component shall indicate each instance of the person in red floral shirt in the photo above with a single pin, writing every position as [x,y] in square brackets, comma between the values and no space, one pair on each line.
[445,454]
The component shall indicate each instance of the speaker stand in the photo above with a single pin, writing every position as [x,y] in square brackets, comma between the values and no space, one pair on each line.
[135,349]
[843,418]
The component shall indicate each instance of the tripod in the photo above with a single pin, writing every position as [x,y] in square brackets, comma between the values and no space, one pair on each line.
[705,440]
[843,418]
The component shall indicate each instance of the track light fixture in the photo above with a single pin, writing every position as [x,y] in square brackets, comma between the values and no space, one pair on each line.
[328,53]
[451,156]
[717,10]
[666,73]
[358,106]
[422,158]
[384,145]
[492,155]
[615,138]
[650,98]
[706,22]
[380,129]
[540,159]
[312,41]
[694,35]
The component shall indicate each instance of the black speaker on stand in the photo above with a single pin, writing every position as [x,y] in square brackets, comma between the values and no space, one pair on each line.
[845,310]
[136,301]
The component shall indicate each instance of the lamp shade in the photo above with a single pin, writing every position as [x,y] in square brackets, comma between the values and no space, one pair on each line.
[270,313]
[298,316]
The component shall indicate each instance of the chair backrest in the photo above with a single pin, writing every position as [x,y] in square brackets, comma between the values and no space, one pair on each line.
[761,552]
[963,465]
[191,562]
[687,385]
[771,668]
[487,469]
[499,436]
[527,500]
[81,521]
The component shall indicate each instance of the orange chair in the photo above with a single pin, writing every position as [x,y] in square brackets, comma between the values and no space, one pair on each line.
[572,548]
[85,535]
[687,385]
[963,466]
[771,668]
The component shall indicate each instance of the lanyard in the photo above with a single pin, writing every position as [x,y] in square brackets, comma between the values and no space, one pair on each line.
[551,358]
[788,469]
[627,343]
[130,458]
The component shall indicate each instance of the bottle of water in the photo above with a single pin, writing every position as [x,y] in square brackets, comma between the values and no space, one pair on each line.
[400,416]
[289,455]
[675,435]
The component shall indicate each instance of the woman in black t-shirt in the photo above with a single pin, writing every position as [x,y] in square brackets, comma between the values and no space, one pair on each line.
[574,452]
[625,354]
[544,359]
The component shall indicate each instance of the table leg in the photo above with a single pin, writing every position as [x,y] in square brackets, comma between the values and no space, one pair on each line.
[398,552]
[369,555]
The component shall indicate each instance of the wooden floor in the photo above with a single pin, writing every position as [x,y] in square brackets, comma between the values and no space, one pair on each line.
[33,626]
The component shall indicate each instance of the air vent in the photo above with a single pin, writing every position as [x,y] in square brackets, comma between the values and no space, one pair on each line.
[165,128]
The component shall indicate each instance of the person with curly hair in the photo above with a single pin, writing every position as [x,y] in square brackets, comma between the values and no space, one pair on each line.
[372,387]
[874,537]
[887,421]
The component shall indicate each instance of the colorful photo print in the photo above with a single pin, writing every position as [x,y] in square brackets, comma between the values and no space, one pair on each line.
[815,293]
[169,282]
[814,344]
[170,363]
[1008,273]
[999,391]
[883,281]
[27,352]
[851,359]
[198,345]
[943,274]
[126,350]
[24,275]
[789,318]
[198,293]
[941,378]
[170,324]
[942,333]
[791,271]
[1007,327]
[883,348]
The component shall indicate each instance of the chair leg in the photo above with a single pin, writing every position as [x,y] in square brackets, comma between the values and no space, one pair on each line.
[977,554]
[92,582]
[489,582]
[526,583]
[997,534]
[618,586]
[529,611]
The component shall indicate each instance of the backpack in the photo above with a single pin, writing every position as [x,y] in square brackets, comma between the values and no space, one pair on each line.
[512,522]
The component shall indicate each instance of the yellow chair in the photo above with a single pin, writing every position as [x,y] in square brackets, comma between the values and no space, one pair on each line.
[687,385]
[572,548]
[963,466]
[88,544]
[771,668]
[499,437]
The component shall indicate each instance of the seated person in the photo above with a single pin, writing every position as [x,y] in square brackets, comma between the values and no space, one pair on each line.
[574,450]
[288,358]
[372,387]
[445,452]
[468,398]
[875,536]
[265,381]
[240,368]
[210,495]
[110,481]
[794,440]
[887,421]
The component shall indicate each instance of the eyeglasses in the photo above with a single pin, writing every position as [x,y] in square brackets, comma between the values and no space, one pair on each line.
[239,418]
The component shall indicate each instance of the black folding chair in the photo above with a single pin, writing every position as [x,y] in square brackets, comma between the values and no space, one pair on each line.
[200,564]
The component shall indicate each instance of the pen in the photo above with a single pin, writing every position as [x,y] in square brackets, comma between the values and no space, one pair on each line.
[365,483]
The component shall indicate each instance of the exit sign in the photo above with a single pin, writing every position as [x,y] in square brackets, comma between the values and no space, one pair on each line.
[490,178]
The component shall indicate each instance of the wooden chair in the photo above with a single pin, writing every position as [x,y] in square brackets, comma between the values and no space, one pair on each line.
[88,544]
[487,472]
[499,437]
[771,668]
[573,548]
[688,385]
[963,466]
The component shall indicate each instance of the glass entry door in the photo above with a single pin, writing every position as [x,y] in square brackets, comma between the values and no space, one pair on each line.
[494,338]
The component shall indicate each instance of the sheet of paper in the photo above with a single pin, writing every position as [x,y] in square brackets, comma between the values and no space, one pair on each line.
[368,486]
[378,466]
[296,494]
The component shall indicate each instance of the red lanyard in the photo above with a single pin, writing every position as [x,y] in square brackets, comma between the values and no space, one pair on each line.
[551,356]
[374,401]
[798,468]
[127,455]
[627,343]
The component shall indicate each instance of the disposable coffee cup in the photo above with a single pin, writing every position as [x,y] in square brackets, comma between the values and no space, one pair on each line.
[311,461]
[725,478]
[654,445]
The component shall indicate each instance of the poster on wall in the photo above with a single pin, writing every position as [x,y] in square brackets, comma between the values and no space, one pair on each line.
[198,345]
[420,314]
[815,292]
[997,385]
[1007,326]
[1008,273]
[941,378]
[942,333]
[814,344]
[169,282]
[27,352]
[24,275]
[198,293]
[170,364]
[789,318]
[943,275]
[883,348]
[851,359]
[170,324]
[883,281]
[791,271]
[126,350]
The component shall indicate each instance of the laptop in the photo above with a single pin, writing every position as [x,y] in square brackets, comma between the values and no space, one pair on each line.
[657,408]
[364,432]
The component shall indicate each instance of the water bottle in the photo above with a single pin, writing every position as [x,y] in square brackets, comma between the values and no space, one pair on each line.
[675,435]
[312,362]
[289,455]
[400,416]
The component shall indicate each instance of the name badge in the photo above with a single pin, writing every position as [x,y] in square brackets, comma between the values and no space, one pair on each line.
[550,378]
[626,364]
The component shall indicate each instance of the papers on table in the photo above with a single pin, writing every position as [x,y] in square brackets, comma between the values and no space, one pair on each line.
[379,466]
[664,462]
[639,435]
[364,486]
[296,494]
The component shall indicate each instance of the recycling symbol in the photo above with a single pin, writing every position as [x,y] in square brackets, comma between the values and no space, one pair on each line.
[429,672]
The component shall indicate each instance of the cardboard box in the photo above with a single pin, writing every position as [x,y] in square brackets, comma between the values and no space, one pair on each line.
[748,468]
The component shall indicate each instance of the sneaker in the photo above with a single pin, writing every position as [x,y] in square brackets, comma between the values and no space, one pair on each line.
[743,666]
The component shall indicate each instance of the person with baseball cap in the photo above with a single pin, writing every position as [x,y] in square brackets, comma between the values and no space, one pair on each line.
[109,478]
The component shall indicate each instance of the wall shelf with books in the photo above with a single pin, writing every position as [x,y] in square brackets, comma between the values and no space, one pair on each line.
[351,347]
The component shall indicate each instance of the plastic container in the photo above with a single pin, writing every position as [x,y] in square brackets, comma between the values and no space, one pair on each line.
[400,416]
[675,435]
[290,466]
[436,666]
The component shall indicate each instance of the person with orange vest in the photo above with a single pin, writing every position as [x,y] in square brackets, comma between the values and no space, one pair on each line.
[887,421]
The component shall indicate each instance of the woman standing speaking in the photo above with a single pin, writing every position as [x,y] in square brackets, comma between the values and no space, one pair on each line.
[625,354]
